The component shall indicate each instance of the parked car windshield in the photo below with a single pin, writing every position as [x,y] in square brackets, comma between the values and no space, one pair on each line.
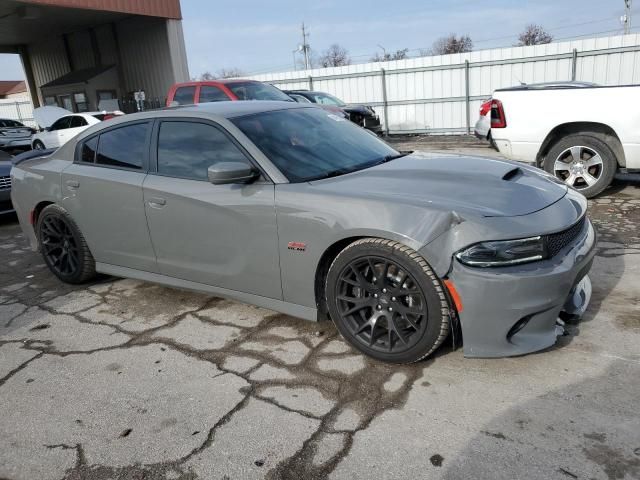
[6,123]
[326,99]
[311,143]
[257,91]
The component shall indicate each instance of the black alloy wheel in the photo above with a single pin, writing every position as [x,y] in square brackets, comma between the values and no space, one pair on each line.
[381,304]
[59,246]
[63,246]
[386,301]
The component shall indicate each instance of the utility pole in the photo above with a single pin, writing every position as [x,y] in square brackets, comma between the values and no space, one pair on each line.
[626,18]
[305,48]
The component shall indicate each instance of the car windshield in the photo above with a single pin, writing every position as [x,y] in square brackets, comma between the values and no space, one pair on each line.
[257,91]
[326,99]
[6,123]
[310,143]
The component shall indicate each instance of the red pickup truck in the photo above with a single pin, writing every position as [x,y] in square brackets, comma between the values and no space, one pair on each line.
[223,90]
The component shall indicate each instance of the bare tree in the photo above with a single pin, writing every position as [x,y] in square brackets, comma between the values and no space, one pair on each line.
[335,56]
[229,73]
[452,44]
[534,35]
[222,73]
[386,57]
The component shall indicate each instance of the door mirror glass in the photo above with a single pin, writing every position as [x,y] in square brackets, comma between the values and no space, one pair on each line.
[222,173]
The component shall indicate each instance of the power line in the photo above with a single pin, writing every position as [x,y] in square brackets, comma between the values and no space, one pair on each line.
[485,40]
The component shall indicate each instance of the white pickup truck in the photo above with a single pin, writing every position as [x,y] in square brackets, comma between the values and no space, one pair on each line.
[582,134]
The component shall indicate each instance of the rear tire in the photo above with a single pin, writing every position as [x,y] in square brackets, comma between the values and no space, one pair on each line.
[386,301]
[63,247]
[583,162]
[38,145]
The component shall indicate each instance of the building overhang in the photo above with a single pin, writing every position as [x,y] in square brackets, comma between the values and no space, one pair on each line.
[23,22]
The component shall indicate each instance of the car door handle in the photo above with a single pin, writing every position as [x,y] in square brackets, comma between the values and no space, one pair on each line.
[157,202]
[73,184]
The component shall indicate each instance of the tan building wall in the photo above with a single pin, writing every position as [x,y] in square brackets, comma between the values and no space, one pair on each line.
[148,53]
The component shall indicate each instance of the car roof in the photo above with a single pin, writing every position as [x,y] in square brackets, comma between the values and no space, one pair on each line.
[223,81]
[308,92]
[228,109]
[550,85]
[213,110]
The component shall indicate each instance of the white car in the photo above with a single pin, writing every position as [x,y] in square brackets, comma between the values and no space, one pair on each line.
[60,125]
[582,134]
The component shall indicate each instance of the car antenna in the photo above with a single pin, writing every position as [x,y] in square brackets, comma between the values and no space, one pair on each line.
[522,84]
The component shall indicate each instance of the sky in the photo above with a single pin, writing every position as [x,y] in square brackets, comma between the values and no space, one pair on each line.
[258,36]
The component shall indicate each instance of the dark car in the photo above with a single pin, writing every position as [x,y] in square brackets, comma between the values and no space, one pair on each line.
[5,183]
[362,115]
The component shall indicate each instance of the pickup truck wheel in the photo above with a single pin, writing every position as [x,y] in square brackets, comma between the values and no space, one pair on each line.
[583,162]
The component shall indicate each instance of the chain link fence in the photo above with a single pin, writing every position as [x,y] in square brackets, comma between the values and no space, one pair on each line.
[20,110]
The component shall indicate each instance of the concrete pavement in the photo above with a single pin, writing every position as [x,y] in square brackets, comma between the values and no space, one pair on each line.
[122,379]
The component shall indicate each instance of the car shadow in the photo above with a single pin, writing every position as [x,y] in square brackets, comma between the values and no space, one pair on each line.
[561,433]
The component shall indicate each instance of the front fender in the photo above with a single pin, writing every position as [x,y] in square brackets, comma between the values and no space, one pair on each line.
[315,222]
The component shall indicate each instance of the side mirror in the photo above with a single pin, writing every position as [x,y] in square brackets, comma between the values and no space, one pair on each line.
[231,172]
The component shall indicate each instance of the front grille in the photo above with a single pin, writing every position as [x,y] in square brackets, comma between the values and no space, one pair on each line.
[557,241]
[5,182]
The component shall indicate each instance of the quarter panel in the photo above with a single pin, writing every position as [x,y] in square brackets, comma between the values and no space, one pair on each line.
[32,182]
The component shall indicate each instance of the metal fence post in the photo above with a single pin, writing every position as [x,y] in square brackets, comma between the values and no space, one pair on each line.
[574,64]
[18,112]
[385,104]
[310,83]
[467,99]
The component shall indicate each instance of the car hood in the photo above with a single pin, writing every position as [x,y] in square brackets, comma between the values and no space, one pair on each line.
[46,116]
[488,187]
[361,109]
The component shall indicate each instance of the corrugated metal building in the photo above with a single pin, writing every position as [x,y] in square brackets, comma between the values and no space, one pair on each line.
[78,52]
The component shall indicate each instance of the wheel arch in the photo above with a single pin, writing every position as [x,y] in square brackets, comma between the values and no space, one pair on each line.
[322,269]
[332,251]
[38,209]
[599,130]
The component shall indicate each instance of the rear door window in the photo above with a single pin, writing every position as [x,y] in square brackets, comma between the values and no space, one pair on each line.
[210,93]
[184,95]
[61,124]
[77,121]
[88,154]
[123,147]
[188,149]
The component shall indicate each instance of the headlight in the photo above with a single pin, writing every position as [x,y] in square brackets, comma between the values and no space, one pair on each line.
[503,253]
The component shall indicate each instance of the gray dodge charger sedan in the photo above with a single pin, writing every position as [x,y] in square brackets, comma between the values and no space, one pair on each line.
[292,208]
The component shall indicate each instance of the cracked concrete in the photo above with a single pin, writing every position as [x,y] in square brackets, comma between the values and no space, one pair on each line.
[125,379]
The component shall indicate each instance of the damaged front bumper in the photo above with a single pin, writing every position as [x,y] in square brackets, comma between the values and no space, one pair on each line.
[511,311]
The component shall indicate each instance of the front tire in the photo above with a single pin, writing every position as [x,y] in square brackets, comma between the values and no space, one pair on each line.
[38,145]
[386,301]
[583,162]
[63,246]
